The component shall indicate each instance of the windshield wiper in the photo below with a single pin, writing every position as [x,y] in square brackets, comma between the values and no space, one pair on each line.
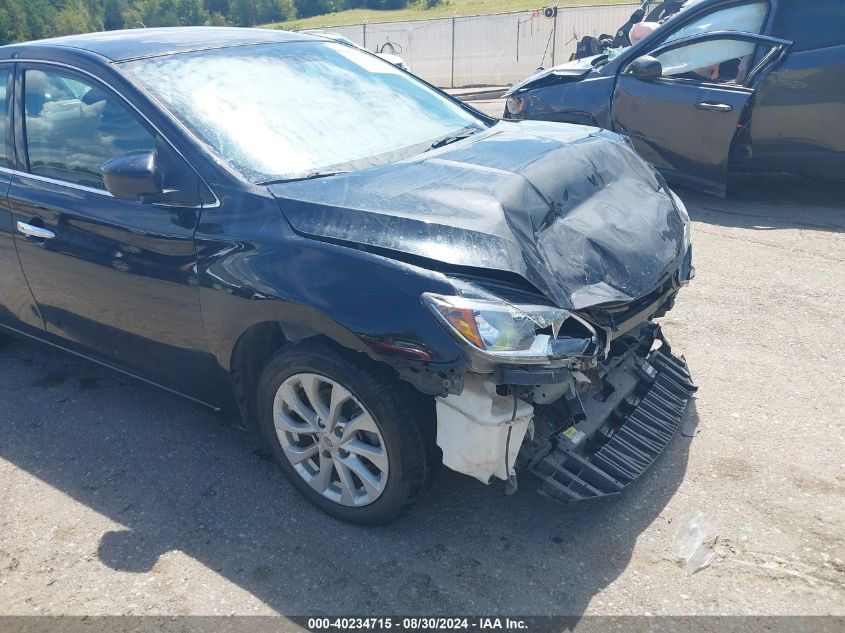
[461,134]
[309,176]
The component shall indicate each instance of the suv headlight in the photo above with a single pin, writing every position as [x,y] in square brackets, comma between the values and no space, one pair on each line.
[520,334]
[516,107]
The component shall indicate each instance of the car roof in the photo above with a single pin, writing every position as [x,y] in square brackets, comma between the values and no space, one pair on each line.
[136,43]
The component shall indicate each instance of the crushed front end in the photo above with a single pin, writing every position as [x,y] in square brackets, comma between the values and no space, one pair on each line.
[586,401]
[613,424]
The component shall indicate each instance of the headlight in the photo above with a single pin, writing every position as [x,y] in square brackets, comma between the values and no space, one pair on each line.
[522,334]
[516,107]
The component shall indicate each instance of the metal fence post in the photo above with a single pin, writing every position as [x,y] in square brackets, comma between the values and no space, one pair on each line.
[554,37]
[365,34]
[452,82]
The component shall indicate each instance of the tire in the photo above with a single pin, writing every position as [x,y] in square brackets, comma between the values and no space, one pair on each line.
[402,428]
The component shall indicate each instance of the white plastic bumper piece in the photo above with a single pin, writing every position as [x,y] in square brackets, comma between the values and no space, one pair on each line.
[472,429]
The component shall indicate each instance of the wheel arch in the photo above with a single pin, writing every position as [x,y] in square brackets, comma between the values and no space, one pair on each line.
[256,344]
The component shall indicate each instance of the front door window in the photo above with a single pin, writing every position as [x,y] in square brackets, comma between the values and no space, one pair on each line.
[725,61]
[746,18]
[73,127]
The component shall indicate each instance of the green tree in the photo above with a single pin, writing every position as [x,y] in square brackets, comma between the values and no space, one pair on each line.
[307,8]
[216,19]
[274,11]
[95,13]
[13,23]
[113,15]
[386,4]
[191,12]
[72,18]
[220,7]
[243,12]
[40,18]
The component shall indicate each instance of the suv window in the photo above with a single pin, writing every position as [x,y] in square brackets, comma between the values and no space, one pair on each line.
[73,127]
[748,18]
[811,25]
[4,78]
[716,61]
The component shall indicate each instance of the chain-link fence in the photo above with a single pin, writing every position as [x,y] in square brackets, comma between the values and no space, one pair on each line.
[488,50]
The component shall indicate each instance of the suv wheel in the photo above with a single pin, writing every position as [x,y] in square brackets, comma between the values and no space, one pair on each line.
[347,433]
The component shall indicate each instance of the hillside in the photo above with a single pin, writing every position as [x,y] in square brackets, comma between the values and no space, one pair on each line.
[447,9]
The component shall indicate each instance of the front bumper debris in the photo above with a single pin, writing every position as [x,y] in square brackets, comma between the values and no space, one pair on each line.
[604,461]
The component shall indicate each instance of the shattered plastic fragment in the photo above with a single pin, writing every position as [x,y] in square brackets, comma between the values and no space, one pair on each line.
[690,427]
[693,543]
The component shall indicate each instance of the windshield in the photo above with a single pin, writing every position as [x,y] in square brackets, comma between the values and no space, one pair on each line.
[294,109]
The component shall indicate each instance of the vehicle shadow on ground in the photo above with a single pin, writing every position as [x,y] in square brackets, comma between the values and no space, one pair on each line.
[772,202]
[177,478]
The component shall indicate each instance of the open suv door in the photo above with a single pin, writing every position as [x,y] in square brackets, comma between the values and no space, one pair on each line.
[684,103]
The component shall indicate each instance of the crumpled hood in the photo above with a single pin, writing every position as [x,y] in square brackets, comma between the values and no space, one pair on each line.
[569,71]
[571,209]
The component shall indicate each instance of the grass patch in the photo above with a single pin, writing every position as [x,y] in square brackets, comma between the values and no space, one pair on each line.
[446,10]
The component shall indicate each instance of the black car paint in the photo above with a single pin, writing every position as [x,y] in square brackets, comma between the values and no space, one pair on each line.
[798,112]
[675,132]
[171,293]
[789,123]
[498,202]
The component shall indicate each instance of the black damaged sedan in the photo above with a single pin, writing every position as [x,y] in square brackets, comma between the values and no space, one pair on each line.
[373,276]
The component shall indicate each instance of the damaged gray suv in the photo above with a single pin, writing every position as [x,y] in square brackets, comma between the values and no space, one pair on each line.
[368,273]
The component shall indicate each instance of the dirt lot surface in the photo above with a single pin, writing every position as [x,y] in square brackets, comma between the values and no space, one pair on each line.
[117,498]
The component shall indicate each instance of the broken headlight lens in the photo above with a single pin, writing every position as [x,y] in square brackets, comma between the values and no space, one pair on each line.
[513,333]
[516,107]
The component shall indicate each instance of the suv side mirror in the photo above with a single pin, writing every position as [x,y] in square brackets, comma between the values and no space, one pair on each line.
[645,67]
[132,176]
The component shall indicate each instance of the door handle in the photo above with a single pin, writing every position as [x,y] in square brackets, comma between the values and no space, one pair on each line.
[715,107]
[35,231]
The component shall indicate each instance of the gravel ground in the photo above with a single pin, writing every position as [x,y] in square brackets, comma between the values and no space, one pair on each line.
[119,499]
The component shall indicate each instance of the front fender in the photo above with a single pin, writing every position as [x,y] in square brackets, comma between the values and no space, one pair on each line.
[585,102]
[361,301]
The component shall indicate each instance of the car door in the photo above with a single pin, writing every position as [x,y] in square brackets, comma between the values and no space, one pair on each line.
[17,306]
[684,118]
[799,107]
[114,279]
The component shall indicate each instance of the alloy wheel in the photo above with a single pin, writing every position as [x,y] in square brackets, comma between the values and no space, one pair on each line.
[330,439]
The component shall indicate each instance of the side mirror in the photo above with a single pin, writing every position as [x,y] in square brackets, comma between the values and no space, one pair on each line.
[645,67]
[132,176]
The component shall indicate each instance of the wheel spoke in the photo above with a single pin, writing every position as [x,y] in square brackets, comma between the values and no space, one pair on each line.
[323,479]
[362,422]
[285,423]
[298,454]
[372,484]
[340,395]
[375,454]
[311,386]
[291,398]
[347,486]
